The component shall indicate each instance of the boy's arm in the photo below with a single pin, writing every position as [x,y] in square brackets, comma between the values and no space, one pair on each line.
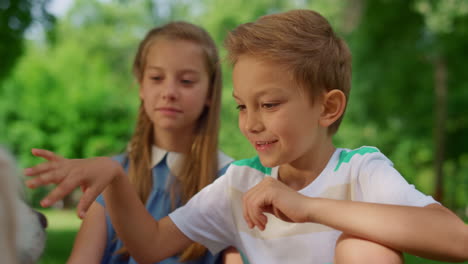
[432,231]
[90,241]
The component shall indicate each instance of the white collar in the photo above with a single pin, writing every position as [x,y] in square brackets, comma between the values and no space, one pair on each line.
[157,154]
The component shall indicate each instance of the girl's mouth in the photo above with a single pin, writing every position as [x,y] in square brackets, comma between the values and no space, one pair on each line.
[168,110]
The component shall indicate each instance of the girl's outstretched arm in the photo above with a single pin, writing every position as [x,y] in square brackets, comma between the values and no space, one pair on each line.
[92,175]
[232,256]
[431,232]
[146,239]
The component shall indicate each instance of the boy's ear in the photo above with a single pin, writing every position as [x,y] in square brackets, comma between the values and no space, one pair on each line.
[333,106]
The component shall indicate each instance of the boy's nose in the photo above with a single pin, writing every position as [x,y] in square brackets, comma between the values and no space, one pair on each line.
[253,123]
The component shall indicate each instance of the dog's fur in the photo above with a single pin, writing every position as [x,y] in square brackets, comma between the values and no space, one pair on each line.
[22,230]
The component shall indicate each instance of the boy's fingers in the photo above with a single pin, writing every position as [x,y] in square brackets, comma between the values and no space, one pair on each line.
[257,215]
[245,210]
[249,221]
[251,213]
[261,218]
[46,154]
[258,209]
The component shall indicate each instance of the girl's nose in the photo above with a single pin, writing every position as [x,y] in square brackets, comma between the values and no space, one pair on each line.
[170,91]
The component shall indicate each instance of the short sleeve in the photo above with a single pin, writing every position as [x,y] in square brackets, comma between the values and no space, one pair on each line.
[380,182]
[100,200]
[207,217]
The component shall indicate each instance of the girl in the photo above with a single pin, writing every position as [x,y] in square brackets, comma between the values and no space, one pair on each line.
[179,75]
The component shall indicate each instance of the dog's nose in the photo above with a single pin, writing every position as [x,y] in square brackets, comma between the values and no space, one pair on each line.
[42,219]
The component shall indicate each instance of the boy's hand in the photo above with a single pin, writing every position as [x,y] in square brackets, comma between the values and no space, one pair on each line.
[274,197]
[92,175]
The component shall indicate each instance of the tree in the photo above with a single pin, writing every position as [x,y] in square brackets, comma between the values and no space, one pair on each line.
[74,97]
[408,81]
[16,16]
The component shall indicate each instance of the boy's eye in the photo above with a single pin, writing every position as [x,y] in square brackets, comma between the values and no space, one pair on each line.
[269,105]
[240,107]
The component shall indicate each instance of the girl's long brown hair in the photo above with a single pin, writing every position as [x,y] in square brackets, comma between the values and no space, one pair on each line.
[200,165]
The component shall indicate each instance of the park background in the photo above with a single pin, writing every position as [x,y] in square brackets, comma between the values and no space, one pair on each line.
[66,84]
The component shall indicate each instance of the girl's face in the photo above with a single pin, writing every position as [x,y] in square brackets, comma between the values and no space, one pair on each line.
[174,86]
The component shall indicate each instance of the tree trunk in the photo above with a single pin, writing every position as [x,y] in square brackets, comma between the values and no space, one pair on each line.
[440,89]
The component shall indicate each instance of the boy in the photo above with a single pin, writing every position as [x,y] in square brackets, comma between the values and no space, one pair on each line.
[291,82]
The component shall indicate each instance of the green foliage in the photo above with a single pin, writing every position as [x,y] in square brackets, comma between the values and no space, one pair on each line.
[16,16]
[75,97]
[395,48]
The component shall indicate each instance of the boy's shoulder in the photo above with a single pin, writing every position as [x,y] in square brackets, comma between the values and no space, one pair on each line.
[252,164]
[359,155]
[244,174]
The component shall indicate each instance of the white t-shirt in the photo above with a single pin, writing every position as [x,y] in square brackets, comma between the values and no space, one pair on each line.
[214,216]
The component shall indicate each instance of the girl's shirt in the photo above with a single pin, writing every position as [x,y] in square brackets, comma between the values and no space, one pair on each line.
[214,217]
[158,204]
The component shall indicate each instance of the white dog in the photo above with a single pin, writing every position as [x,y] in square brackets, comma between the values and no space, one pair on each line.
[22,230]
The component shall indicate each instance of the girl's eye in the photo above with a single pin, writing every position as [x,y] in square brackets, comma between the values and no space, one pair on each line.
[240,107]
[185,81]
[156,78]
[269,105]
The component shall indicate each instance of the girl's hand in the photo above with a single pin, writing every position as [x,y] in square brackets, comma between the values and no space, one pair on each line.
[92,175]
[274,197]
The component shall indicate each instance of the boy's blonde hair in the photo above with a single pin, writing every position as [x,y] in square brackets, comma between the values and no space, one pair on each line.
[200,165]
[304,43]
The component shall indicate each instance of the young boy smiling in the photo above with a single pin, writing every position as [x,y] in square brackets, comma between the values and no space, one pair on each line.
[302,200]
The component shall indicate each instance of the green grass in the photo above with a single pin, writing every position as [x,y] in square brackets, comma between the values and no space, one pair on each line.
[61,231]
[63,225]
[417,260]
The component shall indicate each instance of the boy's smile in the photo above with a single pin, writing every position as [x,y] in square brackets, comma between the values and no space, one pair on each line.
[264,145]
[276,115]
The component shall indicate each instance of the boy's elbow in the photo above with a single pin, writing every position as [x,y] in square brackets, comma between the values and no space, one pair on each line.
[146,255]
[146,260]
[461,253]
[464,253]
